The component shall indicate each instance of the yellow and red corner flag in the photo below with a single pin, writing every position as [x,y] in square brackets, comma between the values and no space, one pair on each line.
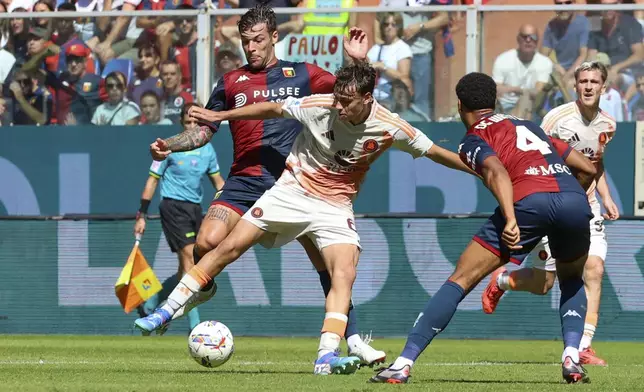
[137,282]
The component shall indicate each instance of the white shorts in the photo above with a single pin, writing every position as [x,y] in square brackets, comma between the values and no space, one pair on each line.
[542,258]
[286,214]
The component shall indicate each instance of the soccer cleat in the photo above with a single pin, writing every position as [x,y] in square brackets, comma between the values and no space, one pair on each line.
[154,321]
[142,313]
[493,293]
[196,300]
[392,376]
[368,355]
[331,363]
[573,372]
[588,357]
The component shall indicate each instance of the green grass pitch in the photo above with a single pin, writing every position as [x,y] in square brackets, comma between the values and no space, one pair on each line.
[132,363]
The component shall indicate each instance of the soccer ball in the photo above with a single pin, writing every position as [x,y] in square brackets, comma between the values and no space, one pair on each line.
[211,344]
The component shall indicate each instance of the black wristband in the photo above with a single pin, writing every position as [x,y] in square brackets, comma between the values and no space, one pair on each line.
[144,206]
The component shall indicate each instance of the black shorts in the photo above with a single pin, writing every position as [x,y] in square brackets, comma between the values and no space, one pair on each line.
[180,221]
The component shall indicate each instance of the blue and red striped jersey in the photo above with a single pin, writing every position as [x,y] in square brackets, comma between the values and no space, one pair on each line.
[261,146]
[534,161]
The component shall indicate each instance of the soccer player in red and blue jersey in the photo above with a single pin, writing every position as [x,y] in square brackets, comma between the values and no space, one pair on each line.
[261,146]
[530,176]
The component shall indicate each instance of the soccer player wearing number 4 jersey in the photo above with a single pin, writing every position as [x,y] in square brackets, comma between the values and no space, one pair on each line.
[587,129]
[532,204]
[343,135]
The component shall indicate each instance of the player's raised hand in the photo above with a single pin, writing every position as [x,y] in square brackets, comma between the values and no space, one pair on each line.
[203,114]
[356,44]
[511,235]
[612,212]
[159,150]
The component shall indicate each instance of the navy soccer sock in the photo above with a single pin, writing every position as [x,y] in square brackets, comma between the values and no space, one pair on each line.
[352,323]
[572,310]
[433,319]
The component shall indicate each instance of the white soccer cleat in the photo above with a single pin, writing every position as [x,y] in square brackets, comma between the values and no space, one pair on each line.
[368,355]
[196,300]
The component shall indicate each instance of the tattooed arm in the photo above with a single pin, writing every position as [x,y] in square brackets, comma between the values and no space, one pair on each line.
[190,139]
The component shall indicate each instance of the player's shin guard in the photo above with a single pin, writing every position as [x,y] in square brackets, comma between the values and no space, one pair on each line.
[572,310]
[189,285]
[433,319]
[352,323]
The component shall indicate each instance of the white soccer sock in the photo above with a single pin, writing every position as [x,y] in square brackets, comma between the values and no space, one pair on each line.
[185,290]
[402,362]
[329,342]
[354,340]
[571,352]
[587,338]
[503,281]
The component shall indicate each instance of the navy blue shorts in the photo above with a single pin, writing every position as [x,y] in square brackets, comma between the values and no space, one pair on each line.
[240,193]
[563,217]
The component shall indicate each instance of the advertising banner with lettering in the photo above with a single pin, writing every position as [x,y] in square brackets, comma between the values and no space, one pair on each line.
[326,51]
[56,275]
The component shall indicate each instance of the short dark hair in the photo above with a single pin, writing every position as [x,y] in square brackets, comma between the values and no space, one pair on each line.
[260,13]
[361,75]
[477,91]
[118,76]
[150,93]
[186,108]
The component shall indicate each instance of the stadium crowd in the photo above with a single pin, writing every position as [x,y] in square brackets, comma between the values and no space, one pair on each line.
[141,70]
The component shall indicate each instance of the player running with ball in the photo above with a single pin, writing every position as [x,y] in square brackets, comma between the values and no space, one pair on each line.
[261,146]
[587,129]
[532,204]
[343,135]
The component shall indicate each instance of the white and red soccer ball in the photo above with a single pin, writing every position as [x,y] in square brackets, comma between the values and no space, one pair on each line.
[211,344]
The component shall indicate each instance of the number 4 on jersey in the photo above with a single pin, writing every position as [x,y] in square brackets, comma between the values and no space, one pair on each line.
[528,141]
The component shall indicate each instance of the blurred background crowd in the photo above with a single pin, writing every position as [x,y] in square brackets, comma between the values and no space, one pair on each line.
[142,70]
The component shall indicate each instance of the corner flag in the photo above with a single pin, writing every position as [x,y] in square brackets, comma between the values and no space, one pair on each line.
[137,282]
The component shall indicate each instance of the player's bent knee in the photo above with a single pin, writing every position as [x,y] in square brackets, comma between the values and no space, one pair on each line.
[343,273]
[594,268]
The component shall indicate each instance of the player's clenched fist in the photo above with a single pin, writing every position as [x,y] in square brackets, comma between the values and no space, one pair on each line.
[159,150]
[203,114]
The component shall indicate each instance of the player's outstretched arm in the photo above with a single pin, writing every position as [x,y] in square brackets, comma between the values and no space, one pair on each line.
[258,111]
[449,159]
[584,168]
[612,212]
[497,179]
[189,139]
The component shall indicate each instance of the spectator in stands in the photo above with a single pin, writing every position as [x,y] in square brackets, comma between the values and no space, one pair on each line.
[319,23]
[4,121]
[148,76]
[4,27]
[46,23]
[184,51]
[32,104]
[17,44]
[567,36]
[37,43]
[611,100]
[118,37]
[392,58]
[419,31]
[636,107]
[118,110]
[620,38]
[174,95]
[76,90]
[227,58]
[403,105]
[65,36]
[520,74]
[151,110]
[639,14]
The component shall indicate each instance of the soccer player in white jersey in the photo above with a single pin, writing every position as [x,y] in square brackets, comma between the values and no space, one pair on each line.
[344,133]
[585,127]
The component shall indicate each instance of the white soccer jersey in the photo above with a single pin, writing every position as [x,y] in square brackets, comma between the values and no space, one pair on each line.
[330,158]
[566,122]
